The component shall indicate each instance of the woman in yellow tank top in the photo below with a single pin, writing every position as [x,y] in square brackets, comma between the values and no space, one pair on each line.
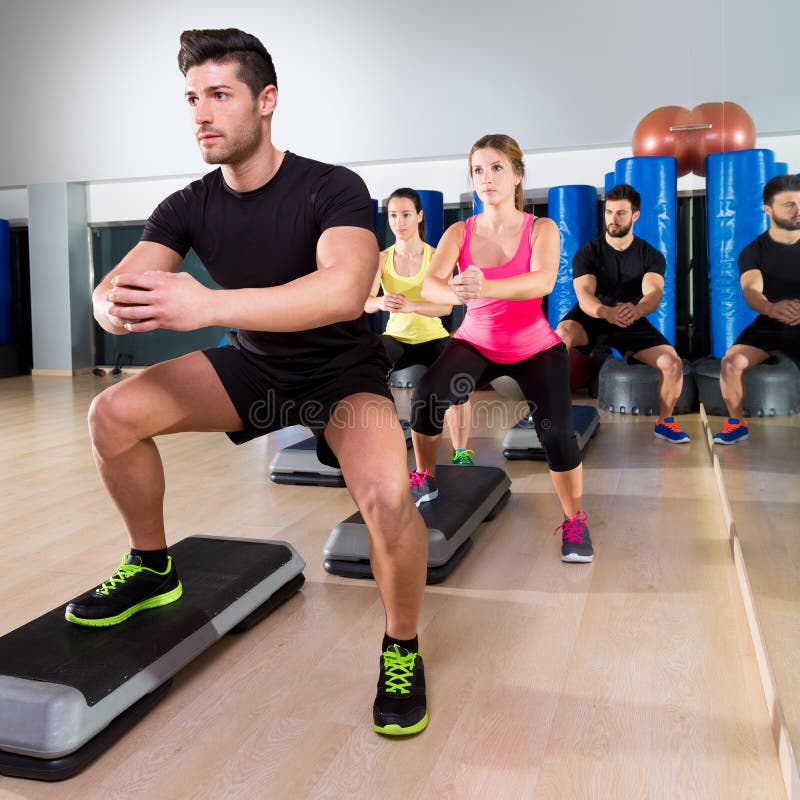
[414,333]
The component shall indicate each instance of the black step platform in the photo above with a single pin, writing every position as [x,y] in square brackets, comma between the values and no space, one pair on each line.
[468,496]
[522,444]
[298,464]
[67,692]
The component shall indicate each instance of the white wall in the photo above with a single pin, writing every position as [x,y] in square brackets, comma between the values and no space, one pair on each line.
[128,201]
[14,204]
[92,91]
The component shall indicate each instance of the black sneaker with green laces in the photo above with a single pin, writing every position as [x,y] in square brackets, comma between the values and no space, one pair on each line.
[400,707]
[130,589]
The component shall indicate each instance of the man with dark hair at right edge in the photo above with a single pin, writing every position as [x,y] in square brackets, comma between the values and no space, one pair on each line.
[290,242]
[769,269]
[618,280]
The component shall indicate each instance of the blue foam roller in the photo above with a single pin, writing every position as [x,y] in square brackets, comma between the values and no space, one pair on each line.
[574,210]
[609,181]
[433,209]
[5,283]
[477,204]
[734,185]
[656,180]
[781,168]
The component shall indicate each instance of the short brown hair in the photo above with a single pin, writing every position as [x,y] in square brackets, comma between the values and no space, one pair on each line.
[780,183]
[624,191]
[226,45]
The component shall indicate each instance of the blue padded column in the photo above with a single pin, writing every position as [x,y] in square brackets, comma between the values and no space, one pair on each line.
[433,209]
[5,283]
[656,180]
[609,181]
[477,204]
[574,210]
[734,185]
[781,168]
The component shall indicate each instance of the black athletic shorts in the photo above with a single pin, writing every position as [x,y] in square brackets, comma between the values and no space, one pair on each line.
[772,335]
[268,398]
[638,336]
[403,354]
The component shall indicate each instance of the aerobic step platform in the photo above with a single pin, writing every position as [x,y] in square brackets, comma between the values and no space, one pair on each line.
[298,464]
[468,496]
[68,692]
[522,444]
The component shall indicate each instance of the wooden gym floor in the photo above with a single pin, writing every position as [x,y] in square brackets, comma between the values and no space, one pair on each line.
[630,677]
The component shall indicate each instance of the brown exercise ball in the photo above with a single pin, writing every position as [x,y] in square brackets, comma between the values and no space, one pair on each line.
[732,128]
[653,136]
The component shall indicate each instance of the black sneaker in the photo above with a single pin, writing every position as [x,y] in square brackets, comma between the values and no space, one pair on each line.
[576,545]
[400,707]
[130,589]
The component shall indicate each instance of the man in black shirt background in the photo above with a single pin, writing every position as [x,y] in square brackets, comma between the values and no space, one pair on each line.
[618,280]
[769,269]
[290,241]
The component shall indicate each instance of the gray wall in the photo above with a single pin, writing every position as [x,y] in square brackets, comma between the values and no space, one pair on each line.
[92,90]
[61,312]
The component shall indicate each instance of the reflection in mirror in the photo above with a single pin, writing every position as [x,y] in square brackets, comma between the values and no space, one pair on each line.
[763,490]
[760,475]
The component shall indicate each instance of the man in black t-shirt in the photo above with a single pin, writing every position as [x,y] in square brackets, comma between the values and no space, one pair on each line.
[290,241]
[619,279]
[769,269]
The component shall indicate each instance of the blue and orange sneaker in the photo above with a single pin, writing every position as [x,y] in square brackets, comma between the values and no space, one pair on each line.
[733,431]
[463,457]
[669,429]
[423,487]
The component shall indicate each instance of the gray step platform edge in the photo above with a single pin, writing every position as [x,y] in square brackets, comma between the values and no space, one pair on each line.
[522,437]
[46,711]
[350,541]
[298,463]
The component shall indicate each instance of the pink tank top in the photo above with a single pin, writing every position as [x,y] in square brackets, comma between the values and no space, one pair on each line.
[505,331]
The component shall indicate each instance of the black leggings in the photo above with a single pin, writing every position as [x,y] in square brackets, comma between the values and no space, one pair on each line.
[543,379]
[403,354]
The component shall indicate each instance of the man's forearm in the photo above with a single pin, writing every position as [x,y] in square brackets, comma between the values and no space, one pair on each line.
[757,301]
[649,303]
[590,305]
[321,298]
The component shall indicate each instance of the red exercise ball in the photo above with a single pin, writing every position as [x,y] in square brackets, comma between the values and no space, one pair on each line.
[653,136]
[732,128]
[580,369]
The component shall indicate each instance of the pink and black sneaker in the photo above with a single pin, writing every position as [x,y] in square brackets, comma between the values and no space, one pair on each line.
[423,487]
[576,546]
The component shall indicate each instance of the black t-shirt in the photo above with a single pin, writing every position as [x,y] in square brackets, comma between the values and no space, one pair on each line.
[779,264]
[619,273]
[268,237]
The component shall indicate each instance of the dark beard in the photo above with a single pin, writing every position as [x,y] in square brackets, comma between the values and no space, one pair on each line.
[621,233]
[786,224]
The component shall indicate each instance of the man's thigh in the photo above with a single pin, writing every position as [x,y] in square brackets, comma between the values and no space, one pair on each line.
[182,394]
[365,435]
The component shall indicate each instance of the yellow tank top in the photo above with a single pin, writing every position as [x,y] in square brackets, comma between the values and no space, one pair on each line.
[410,328]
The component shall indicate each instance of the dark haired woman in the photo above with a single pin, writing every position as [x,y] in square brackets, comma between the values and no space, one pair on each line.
[414,333]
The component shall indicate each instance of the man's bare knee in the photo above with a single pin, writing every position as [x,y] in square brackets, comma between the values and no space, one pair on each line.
[566,335]
[732,365]
[671,368]
[114,423]
[387,511]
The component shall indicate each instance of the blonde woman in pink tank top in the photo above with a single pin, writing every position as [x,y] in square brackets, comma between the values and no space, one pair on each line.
[507,262]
